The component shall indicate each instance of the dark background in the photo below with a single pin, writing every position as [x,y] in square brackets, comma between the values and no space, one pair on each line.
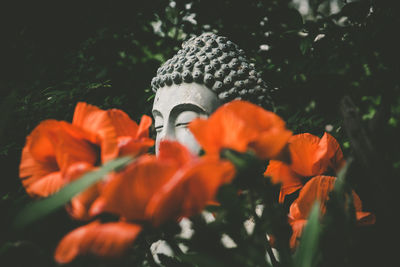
[56,53]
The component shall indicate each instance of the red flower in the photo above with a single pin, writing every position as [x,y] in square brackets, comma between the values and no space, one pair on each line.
[57,152]
[129,191]
[189,190]
[132,139]
[79,205]
[157,189]
[310,156]
[50,150]
[283,174]
[241,126]
[106,240]
[313,156]
[317,189]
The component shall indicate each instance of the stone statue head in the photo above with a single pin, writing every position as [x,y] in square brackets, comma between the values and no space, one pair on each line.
[208,71]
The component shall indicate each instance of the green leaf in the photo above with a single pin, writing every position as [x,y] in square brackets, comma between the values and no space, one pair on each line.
[242,161]
[37,210]
[235,157]
[305,45]
[340,184]
[308,249]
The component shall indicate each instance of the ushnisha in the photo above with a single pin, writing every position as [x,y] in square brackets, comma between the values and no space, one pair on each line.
[207,72]
[217,63]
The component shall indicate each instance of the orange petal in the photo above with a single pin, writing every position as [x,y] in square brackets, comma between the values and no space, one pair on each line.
[31,171]
[129,191]
[133,147]
[365,218]
[281,173]
[71,151]
[190,190]
[357,202]
[240,125]
[287,190]
[307,155]
[313,156]
[317,189]
[79,205]
[43,139]
[133,139]
[84,113]
[297,230]
[205,134]
[97,122]
[52,146]
[269,144]
[123,124]
[70,246]
[46,185]
[50,133]
[334,155]
[174,151]
[77,170]
[57,140]
[143,131]
[105,240]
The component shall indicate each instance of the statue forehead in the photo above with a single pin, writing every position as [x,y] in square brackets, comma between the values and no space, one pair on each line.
[168,97]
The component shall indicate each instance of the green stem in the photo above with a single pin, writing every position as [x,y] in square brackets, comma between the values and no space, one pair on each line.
[237,161]
[256,221]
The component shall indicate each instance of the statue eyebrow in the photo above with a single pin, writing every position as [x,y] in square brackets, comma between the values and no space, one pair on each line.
[156,112]
[187,106]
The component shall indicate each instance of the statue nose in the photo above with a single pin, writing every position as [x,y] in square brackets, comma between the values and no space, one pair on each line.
[164,134]
[167,133]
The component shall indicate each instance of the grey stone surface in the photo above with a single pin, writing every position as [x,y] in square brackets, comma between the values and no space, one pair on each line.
[208,71]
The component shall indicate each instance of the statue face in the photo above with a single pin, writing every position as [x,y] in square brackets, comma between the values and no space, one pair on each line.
[175,106]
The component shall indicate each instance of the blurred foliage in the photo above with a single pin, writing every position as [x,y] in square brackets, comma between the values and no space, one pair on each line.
[54,53]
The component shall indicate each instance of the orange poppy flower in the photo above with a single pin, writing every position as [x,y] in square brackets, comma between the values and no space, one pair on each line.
[241,126]
[79,205]
[317,189]
[129,191]
[167,187]
[56,149]
[313,156]
[189,190]
[105,240]
[50,150]
[113,131]
[283,174]
[310,156]
[132,139]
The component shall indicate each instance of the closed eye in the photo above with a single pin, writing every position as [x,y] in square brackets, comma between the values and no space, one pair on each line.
[182,124]
[158,128]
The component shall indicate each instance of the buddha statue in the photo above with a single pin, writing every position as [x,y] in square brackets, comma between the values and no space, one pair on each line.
[208,71]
